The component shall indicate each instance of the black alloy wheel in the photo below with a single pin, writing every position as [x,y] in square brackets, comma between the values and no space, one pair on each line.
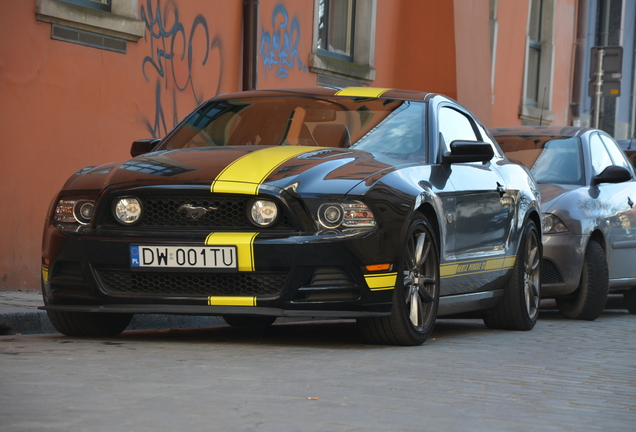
[416,294]
[519,307]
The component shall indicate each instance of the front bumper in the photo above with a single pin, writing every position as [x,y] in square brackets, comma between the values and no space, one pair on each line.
[294,275]
[563,256]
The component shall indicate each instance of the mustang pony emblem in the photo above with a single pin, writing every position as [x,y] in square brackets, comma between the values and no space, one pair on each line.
[194,212]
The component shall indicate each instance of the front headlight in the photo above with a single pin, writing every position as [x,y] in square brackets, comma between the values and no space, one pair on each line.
[348,214]
[553,225]
[74,211]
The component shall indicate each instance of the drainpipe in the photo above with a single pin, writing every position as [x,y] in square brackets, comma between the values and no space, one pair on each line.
[578,73]
[250,39]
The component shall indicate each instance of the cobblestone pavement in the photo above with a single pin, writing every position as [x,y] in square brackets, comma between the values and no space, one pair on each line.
[562,376]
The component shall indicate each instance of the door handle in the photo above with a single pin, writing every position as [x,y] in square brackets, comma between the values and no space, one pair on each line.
[500,190]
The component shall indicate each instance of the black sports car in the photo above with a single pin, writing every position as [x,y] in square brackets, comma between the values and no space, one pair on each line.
[388,206]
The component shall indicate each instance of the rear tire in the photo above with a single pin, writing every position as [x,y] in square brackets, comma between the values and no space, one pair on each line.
[416,292]
[519,307]
[88,324]
[629,297]
[589,299]
[249,320]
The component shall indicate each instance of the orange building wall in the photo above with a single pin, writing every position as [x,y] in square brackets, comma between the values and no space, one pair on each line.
[67,106]
[564,40]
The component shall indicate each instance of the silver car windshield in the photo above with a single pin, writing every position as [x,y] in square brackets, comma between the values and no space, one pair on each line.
[550,160]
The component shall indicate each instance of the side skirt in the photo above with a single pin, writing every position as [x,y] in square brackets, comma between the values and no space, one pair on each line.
[456,304]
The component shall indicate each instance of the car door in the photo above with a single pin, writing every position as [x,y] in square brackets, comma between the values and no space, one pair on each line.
[616,202]
[483,212]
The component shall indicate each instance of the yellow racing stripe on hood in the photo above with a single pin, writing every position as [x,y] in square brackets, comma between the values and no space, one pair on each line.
[246,174]
[362,91]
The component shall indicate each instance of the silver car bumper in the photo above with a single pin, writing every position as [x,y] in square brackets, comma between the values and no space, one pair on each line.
[563,256]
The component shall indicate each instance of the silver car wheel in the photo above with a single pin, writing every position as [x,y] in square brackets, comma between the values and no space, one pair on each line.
[419,280]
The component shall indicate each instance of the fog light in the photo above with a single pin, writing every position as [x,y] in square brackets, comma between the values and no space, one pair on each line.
[127,210]
[263,213]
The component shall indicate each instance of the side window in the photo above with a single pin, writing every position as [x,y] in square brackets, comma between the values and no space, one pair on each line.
[617,155]
[599,155]
[454,125]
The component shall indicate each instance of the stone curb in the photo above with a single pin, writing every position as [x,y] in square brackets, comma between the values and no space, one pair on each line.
[37,322]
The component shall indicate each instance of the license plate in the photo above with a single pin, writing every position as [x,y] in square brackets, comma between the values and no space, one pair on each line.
[201,257]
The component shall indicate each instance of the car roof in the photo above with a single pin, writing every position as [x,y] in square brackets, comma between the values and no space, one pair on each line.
[363,92]
[537,130]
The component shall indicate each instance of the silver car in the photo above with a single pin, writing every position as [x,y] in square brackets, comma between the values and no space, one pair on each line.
[588,191]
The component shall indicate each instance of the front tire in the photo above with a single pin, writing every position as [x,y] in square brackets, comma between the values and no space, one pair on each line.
[629,297]
[519,308]
[416,292]
[589,299]
[87,324]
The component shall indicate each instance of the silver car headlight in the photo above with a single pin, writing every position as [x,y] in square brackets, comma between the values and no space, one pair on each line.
[553,225]
[74,211]
[127,210]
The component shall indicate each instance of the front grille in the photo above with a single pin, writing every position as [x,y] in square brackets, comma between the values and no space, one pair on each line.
[550,273]
[125,282]
[329,276]
[224,212]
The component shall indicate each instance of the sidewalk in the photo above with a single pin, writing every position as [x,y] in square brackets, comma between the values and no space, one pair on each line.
[19,314]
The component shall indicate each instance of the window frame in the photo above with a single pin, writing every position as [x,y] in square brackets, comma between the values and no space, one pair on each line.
[532,112]
[333,70]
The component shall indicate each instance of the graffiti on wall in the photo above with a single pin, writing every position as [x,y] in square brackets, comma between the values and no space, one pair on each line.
[279,48]
[176,49]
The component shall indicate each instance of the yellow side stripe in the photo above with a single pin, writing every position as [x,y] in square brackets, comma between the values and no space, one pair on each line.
[45,275]
[378,282]
[477,266]
[244,243]
[231,301]
[362,91]
[245,175]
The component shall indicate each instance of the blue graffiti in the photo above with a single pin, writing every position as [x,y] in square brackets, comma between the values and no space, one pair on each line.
[169,45]
[280,48]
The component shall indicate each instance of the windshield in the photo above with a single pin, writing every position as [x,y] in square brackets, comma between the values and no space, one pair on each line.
[550,159]
[393,127]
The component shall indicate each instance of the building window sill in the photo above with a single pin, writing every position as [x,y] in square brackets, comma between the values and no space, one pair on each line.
[530,115]
[121,22]
[341,68]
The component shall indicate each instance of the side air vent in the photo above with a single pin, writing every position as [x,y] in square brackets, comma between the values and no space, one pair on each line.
[83,37]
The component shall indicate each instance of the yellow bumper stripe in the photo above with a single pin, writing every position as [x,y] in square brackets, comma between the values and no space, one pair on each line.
[231,301]
[378,282]
[244,243]
[245,175]
[45,274]
[362,91]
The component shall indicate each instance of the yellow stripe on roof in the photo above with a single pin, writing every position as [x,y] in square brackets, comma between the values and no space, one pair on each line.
[362,91]
[245,175]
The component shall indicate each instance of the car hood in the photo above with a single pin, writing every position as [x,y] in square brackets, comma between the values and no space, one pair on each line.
[552,194]
[244,169]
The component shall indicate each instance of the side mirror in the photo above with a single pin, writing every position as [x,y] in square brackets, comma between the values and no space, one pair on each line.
[612,174]
[468,151]
[142,146]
